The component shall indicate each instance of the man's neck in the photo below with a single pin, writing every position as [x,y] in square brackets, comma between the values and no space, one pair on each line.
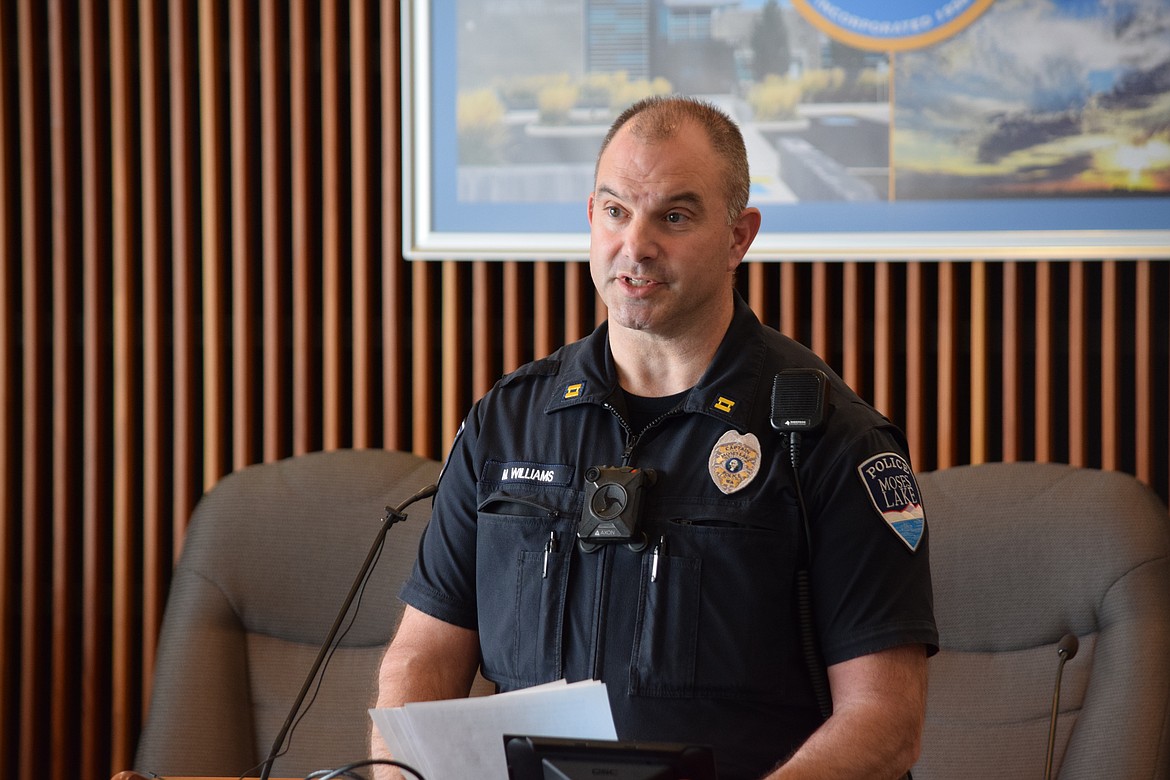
[653,366]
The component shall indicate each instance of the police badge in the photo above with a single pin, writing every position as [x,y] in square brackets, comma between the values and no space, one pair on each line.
[734,461]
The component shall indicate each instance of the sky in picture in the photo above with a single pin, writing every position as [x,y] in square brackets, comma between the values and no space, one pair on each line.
[1059,98]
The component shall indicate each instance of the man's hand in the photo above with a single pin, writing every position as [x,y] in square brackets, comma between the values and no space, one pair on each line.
[428,660]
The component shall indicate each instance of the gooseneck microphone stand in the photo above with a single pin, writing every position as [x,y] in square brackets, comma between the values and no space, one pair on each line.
[393,516]
[1066,650]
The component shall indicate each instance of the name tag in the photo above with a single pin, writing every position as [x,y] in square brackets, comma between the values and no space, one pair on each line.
[530,473]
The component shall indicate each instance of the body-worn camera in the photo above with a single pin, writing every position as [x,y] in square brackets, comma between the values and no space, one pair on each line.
[613,507]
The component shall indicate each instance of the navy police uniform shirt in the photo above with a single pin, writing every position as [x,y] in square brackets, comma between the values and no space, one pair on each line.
[695,633]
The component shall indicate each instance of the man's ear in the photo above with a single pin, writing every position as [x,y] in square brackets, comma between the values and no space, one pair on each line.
[589,215]
[743,233]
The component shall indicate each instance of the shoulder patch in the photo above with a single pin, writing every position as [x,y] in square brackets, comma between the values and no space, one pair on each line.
[894,492]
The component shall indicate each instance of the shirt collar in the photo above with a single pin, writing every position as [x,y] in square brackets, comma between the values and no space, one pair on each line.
[727,390]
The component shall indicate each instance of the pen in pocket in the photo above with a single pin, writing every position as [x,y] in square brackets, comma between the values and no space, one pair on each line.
[549,547]
[659,550]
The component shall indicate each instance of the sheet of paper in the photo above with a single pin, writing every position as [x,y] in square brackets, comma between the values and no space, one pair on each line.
[462,738]
[397,734]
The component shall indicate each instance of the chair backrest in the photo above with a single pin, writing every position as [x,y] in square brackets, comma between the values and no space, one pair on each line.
[1021,554]
[269,557]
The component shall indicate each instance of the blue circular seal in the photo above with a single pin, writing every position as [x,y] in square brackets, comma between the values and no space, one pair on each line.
[895,25]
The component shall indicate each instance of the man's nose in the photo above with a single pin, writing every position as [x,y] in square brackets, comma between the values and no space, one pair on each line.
[640,240]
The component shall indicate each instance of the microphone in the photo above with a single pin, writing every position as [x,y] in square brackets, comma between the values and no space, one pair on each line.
[800,397]
[1066,649]
[392,516]
[800,400]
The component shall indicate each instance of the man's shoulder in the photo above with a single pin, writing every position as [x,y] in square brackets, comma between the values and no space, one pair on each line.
[543,367]
[572,358]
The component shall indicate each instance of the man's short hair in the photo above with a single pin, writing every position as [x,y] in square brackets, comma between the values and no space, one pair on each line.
[659,118]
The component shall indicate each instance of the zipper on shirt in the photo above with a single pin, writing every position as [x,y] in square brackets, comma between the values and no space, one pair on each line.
[633,438]
[597,660]
[547,511]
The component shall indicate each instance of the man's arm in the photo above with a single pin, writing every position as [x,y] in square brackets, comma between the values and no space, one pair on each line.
[427,661]
[875,731]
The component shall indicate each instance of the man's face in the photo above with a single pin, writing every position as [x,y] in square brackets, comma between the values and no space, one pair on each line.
[661,251]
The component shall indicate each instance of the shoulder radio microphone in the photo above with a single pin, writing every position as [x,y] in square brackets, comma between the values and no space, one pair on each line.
[800,398]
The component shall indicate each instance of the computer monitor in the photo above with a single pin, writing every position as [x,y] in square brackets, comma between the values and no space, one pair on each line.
[548,758]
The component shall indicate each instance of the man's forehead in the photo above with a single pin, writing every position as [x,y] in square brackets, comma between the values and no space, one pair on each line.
[639,160]
[658,193]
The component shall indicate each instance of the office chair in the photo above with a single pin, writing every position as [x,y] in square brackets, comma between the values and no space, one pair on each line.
[269,557]
[1021,554]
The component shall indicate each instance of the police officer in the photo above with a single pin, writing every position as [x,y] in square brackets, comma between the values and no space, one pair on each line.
[626,509]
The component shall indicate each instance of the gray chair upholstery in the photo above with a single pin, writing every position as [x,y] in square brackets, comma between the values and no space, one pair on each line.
[1021,554]
[268,559]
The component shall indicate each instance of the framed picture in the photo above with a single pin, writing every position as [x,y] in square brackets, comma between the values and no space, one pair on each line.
[923,129]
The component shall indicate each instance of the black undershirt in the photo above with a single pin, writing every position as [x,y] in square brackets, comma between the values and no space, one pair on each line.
[642,410]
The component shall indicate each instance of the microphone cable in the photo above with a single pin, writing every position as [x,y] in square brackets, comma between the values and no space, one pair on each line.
[808,643]
[800,402]
[347,770]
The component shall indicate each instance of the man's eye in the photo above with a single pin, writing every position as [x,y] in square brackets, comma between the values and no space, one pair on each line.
[613,211]
[675,218]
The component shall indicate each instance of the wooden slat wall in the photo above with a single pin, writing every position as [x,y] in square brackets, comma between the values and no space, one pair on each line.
[200,228]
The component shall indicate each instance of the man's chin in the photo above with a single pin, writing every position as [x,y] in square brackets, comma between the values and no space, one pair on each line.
[639,324]
[633,317]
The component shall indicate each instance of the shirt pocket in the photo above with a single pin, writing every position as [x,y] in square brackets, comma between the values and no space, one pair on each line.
[523,551]
[715,614]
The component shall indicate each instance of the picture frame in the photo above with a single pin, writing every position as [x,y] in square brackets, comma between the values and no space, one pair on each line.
[447,216]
